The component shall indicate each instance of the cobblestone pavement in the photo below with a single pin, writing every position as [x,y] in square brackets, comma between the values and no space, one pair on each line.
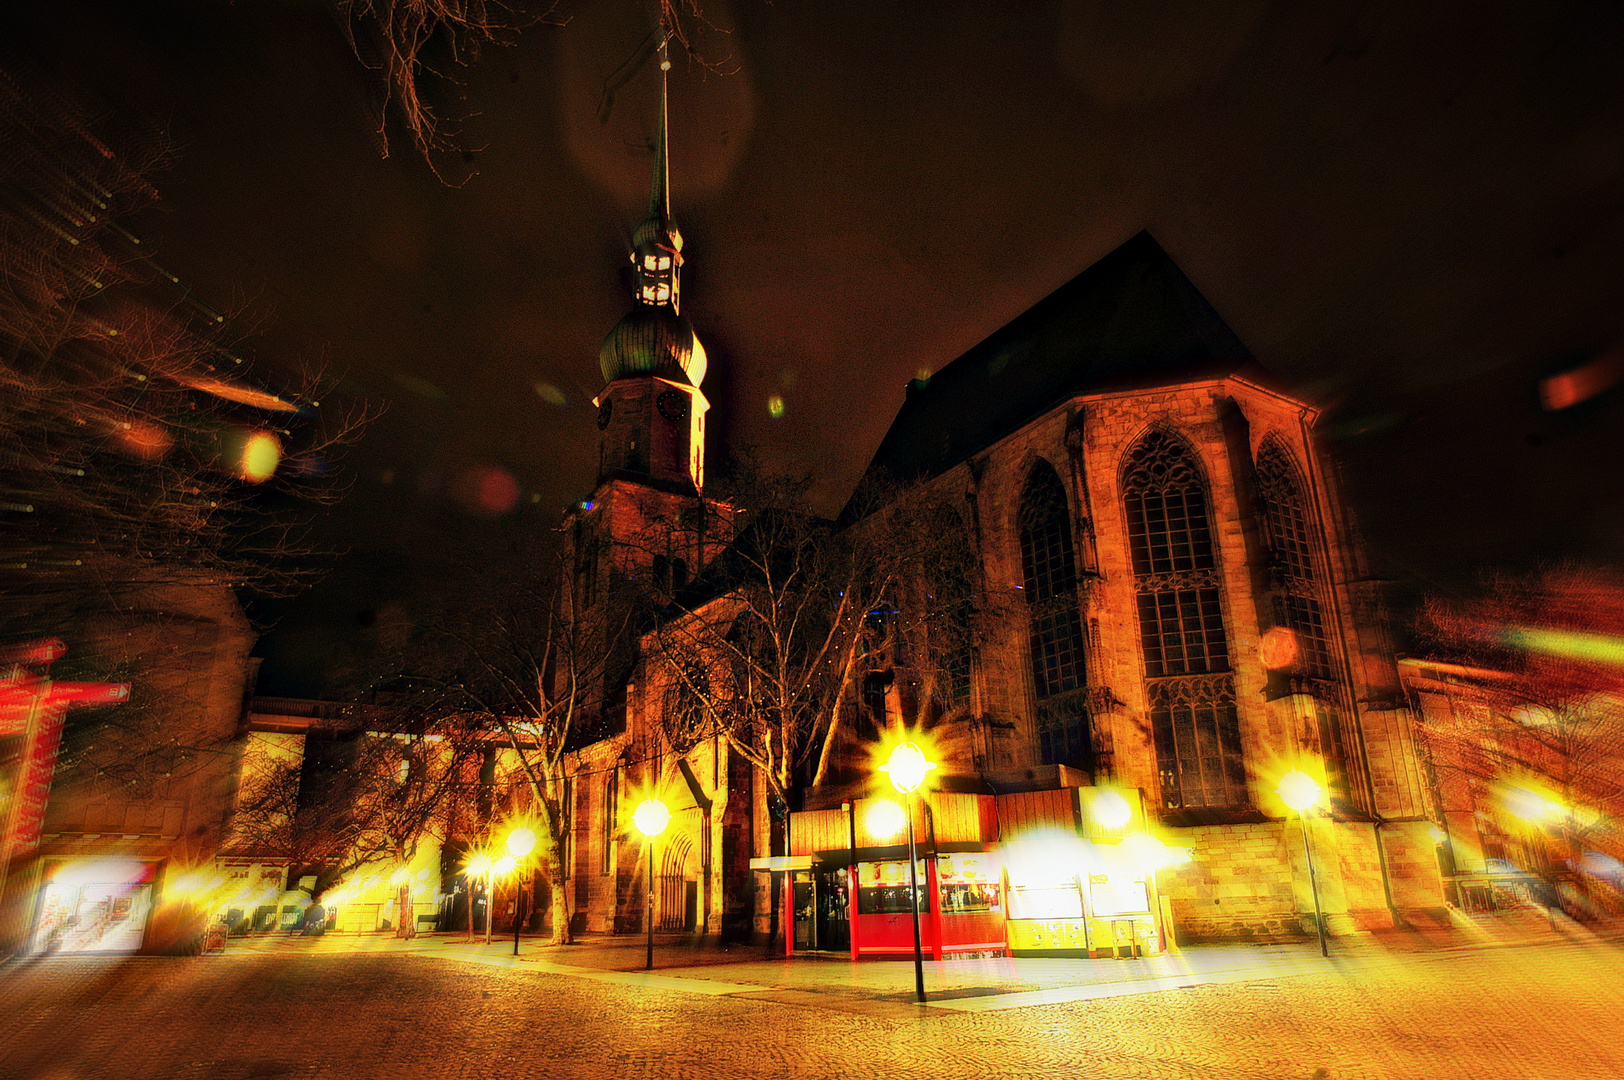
[425,1010]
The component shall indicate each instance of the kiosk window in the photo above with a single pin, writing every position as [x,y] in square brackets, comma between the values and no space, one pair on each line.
[977,897]
[888,899]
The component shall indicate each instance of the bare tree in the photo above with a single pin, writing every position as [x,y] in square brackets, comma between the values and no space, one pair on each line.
[769,646]
[1539,705]
[533,665]
[143,455]
[411,43]
[371,786]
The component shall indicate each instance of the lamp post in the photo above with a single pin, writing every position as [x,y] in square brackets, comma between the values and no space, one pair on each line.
[907,767]
[520,842]
[1299,791]
[479,866]
[651,817]
[503,866]
[1535,810]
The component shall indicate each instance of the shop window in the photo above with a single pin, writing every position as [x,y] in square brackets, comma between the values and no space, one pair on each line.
[964,898]
[889,899]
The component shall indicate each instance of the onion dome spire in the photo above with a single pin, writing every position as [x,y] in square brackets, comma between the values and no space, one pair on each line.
[654,337]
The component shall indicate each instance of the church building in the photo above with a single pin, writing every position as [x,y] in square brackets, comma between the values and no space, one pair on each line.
[1172,616]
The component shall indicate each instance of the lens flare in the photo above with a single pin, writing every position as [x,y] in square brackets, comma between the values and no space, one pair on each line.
[261,453]
[884,819]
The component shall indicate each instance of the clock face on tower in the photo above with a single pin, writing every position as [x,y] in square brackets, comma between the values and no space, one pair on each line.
[672,405]
[605,411]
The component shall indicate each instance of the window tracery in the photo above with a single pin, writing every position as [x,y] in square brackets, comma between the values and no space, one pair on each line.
[1175,562]
[1300,605]
[1049,583]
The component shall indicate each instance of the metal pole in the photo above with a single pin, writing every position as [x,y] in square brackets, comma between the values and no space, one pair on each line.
[1313,884]
[913,881]
[518,910]
[490,902]
[648,908]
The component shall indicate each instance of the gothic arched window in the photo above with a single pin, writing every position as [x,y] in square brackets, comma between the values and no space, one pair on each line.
[951,604]
[1181,627]
[1292,561]
[1049,582]
[1299,605]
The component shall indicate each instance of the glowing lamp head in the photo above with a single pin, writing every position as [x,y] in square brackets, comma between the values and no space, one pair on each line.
[1298,790]
[884,819]
[504,866]
[651,817]
[907,767]
[479,863]
[261,453]
[1111,810]
[521,842]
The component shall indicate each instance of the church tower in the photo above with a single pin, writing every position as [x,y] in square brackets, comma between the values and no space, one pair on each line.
[652,412]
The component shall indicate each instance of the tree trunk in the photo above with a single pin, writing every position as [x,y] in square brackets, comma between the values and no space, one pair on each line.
[560,916]
[406,926]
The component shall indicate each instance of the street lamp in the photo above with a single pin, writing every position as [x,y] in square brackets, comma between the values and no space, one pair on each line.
[520,842]
[1535,810]
[651,817]
[1299,791]
[907,767]
[500,867]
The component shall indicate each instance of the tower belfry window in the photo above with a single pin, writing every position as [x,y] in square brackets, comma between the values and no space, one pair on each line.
[1181,627]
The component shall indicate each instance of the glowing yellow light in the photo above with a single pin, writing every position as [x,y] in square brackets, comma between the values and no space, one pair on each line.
[651,817]
[1594,648]
[261,454]
[775,406]
[1278,649]
[504,865]
[907,767]
[1531,805]
[521,842]
[884,819]
[478,864]
[1298,790]
[1111,810]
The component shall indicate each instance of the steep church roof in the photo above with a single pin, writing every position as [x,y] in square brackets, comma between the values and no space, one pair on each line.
[1131,320]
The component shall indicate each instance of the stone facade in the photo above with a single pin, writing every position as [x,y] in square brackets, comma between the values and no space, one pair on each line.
[1205,623]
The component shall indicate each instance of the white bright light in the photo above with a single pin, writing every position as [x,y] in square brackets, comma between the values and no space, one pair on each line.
[521,842]
[504,865]
[1298,790]
[1111,810]
[651,817]
[907,767]
[884,819]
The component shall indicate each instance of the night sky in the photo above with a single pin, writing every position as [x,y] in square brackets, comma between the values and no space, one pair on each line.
[1411,212]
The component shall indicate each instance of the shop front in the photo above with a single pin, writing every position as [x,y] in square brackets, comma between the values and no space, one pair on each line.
[94,906]
[1071,897]
[1061,872]
[961,906]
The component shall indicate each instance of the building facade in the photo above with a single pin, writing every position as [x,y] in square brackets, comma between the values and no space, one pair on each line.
[1169,603]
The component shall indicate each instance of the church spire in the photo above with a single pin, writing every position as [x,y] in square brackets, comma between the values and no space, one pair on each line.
[657,245]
